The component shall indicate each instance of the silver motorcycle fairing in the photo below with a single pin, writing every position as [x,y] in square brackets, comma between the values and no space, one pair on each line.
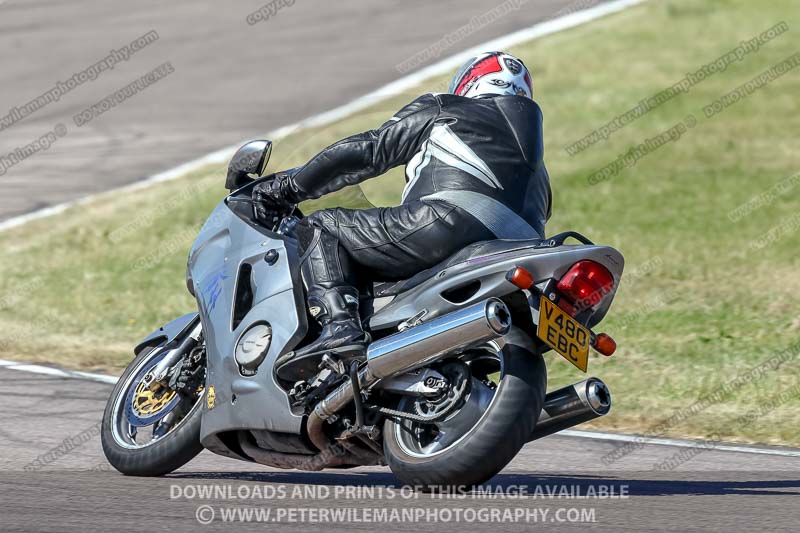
[226,243]
[487,276]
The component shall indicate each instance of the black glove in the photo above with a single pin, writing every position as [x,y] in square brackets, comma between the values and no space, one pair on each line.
[275,197]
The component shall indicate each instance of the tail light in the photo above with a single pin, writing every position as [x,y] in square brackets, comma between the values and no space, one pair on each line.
[585,284]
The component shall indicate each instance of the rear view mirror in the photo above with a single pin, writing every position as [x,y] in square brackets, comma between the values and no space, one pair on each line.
[252,158]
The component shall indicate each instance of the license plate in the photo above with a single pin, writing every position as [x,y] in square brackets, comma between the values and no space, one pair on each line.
[564,334]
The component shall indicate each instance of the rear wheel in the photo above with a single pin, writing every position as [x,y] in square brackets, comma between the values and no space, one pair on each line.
[506,389]
[151,430]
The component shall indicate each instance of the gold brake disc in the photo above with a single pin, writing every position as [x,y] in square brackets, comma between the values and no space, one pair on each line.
[147,402]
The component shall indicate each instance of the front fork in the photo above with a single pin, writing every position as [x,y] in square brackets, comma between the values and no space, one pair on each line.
[160,372]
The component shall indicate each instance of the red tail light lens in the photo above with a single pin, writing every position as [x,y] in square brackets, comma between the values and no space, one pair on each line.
[586,284]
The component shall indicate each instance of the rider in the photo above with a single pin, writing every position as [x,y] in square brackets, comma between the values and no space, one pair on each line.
[474,172]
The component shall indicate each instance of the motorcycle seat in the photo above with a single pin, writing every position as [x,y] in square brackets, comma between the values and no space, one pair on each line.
[472,252]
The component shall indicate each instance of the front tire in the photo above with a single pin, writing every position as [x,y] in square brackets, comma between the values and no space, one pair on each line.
[162,454]
[493,441]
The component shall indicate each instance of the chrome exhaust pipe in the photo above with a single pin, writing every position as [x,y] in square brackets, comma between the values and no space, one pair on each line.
[417,346]
[572,405]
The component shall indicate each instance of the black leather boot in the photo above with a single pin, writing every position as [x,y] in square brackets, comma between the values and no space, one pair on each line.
[337,312]
[332,301]
[342,336]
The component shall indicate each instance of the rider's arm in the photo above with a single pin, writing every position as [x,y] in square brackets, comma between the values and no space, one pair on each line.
[369,154]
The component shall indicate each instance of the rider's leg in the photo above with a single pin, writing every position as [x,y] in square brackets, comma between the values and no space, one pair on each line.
[392,243]
[395,243]
[332,296]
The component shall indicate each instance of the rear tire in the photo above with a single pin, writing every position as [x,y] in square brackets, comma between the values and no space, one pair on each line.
[179,446]
[497,437]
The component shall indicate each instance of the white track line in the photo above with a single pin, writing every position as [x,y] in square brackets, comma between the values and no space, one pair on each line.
[393,89]
[595,435]
[57,372]
[683,443]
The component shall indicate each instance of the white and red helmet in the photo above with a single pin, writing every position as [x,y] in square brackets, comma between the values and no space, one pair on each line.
[492,73]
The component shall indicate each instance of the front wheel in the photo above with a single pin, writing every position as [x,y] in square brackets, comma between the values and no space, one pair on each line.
[152,430]
[507,385]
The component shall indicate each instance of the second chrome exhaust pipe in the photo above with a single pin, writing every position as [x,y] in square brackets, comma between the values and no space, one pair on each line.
[572,405]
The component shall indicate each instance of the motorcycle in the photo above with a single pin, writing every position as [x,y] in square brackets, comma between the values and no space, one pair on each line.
[454,381]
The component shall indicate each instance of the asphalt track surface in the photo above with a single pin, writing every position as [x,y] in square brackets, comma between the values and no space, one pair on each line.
[233,81]
[74,489]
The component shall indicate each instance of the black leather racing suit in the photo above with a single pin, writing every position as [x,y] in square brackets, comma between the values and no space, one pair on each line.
[474,172]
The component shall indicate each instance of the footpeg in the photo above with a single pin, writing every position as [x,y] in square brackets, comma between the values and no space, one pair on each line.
[334,365]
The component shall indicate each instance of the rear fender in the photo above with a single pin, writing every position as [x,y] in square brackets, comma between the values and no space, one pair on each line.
[168,332]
